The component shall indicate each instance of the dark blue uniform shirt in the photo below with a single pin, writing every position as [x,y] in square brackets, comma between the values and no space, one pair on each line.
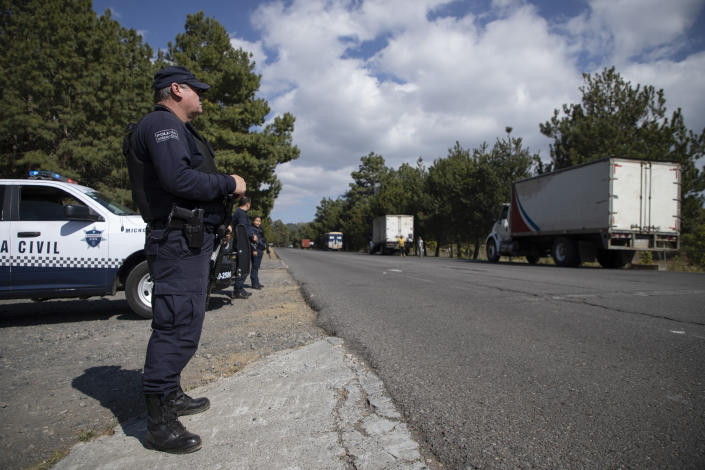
[170,152]
[261,242]
[240,218]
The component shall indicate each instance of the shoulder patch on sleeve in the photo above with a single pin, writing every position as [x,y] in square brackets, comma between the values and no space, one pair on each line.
[166,134]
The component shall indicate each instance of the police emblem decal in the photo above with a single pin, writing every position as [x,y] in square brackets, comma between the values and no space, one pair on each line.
[93,237]
[166,134]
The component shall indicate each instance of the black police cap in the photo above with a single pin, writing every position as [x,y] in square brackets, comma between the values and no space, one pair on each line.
[176,74]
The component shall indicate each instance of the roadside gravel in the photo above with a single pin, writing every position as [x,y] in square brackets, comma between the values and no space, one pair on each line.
[70,370]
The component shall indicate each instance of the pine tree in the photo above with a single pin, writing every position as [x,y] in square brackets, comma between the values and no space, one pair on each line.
[72,83]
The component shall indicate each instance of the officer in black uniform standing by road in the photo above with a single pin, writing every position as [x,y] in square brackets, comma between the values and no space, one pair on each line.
[180,194]
[259,247]
[240,218]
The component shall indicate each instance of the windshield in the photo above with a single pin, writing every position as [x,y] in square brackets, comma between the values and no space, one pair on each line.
[112,206]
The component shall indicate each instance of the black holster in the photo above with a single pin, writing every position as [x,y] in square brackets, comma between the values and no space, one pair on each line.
[191,221]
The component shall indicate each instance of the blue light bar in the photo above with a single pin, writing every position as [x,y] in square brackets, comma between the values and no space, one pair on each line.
[48,175]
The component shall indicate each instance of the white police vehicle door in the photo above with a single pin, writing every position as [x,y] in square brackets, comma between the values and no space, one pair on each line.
[5,284]
[49,251]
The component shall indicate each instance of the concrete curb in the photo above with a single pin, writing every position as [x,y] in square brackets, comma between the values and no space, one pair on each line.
[315,407]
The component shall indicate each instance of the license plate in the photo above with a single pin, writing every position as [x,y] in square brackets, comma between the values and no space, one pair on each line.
[641,243]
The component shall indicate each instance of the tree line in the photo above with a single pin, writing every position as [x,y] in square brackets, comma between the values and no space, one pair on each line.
[455,200]
[74,81]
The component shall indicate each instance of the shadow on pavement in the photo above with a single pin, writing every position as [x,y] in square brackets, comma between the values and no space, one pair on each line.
[118,390]
[29,313]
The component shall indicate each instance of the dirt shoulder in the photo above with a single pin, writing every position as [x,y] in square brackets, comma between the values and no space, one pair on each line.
[71,370]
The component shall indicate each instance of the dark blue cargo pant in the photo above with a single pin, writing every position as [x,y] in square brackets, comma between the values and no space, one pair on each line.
[180,276]
[254,270]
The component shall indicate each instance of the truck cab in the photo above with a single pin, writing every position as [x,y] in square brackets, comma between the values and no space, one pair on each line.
[499,241]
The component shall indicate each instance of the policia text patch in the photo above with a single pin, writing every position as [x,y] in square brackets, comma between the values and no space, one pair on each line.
[166,134]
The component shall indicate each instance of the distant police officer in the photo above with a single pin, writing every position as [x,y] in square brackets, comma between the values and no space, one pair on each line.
[179,192]
[240,218]
[259,247]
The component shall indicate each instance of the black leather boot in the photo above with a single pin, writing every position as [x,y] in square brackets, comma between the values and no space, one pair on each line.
[241,294]
[165,432]
[185,405]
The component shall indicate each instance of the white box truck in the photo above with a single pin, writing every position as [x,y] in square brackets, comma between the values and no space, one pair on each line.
[605,210]
[387,229]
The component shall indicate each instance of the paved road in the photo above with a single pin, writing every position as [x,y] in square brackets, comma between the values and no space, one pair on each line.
[518,366]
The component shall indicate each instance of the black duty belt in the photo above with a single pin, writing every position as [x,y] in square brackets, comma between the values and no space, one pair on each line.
[177,224]
[160,224]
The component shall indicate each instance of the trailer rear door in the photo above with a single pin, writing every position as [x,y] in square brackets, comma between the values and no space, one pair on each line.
[627,178]
[644,196]
[664,205]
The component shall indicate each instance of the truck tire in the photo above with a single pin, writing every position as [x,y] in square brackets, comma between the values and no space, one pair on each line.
[492,251]
[565,252]
[138,290]
[627,257]
[532,258]
[614,259]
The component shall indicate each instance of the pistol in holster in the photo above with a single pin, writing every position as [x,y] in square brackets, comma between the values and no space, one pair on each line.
[191,221]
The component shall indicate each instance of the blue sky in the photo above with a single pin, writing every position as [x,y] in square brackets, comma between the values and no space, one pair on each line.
[408,78]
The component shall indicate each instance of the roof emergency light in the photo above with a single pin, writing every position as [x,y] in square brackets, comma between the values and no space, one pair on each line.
[48,175]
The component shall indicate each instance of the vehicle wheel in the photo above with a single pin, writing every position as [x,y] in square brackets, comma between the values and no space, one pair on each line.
[533,258]
[606,258]
[614,259]
[565,252]
[492,251]
[138,290]
[627,257]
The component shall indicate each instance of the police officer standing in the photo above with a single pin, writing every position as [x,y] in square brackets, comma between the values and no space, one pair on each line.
[180,195]
[240,218]
[258,248]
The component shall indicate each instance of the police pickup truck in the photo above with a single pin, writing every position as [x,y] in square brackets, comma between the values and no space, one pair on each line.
[60,239]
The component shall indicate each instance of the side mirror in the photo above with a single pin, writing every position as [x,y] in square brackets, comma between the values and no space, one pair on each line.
[78,212]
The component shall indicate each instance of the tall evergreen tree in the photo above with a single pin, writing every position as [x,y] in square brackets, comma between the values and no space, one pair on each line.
[449,185]
[360,200]
[72,83]
[329,216]
[231,111]
[279,234]
[468,187]
[416,200]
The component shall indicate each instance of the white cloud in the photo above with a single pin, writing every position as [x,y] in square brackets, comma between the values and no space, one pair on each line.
[433,82]
[652,27]
[620,32]
[304,187]
[639,37]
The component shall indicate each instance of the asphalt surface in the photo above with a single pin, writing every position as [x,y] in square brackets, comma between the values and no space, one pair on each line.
[518,366]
